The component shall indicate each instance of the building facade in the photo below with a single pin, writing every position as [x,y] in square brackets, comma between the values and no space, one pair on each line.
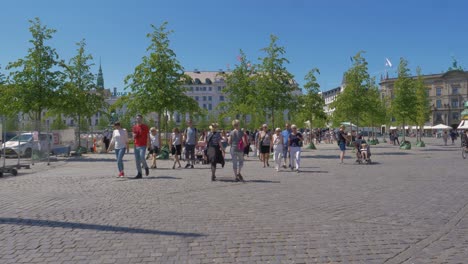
[447,92]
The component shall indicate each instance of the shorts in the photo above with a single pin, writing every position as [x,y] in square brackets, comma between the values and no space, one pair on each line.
[265,149]
[154,150]
[176,150]
[342,145]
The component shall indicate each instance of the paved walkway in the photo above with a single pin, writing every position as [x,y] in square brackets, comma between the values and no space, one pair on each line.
[408,207]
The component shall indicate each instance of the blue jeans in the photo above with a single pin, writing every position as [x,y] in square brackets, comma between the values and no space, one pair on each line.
[140,158]
[237,160]
[119,154]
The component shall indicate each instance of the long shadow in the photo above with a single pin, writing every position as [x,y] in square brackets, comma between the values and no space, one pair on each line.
[92,159]
[309,171]
[106,228]
[162,177]
[451,149]
[390,153]
[262,181]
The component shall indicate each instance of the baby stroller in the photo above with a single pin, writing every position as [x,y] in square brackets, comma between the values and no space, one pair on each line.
[363,152]
[200,153]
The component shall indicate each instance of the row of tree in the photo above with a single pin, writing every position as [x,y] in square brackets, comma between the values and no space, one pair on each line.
[264,91]
[362,103]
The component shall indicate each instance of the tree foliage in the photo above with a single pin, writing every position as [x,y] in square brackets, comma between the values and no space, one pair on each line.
[274,87]
[351,104]
[310,105]
[240,90]
[423,108]
[156,83]
[403,104]
[36,77]
[79,97]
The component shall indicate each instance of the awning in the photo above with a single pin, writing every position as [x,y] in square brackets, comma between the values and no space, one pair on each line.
[463,124]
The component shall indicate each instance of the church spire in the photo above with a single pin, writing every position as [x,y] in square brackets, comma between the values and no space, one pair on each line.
[100,78]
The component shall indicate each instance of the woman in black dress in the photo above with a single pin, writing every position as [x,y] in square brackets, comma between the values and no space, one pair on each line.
[215,149]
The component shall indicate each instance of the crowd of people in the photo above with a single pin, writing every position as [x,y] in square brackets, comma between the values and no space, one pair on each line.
[285,145]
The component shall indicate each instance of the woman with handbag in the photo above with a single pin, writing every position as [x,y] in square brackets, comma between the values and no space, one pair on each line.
[176,146]
[294,145]
[214,151]
[119,143]
[237,140]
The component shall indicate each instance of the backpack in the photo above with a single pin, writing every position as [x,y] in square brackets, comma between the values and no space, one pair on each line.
[240,145]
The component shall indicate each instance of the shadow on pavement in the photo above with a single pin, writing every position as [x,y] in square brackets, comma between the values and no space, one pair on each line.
[390,153]
[322,156]
[162,177]
[262,181]
[106,228]
[83,159]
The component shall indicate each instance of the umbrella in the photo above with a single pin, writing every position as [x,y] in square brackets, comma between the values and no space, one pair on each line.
[441,126]
[348,124]
[463,124]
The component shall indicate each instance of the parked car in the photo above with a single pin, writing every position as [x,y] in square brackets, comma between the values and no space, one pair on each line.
[24,144]
[7,136]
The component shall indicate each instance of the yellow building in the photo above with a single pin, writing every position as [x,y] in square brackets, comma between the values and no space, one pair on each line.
[447,93]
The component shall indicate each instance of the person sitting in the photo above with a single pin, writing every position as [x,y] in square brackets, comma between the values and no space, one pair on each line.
[364,148]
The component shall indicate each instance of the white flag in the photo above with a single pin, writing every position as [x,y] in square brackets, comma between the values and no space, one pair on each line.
[388,63]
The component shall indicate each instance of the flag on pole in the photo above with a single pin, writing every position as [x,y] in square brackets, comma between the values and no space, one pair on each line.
[388,63]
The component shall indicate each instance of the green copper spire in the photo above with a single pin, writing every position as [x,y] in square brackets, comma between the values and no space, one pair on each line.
[100,78]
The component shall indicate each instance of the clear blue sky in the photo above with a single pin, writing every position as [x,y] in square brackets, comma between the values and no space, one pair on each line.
[209,33]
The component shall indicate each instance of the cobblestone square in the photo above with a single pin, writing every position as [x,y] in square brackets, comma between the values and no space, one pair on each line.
[410,206]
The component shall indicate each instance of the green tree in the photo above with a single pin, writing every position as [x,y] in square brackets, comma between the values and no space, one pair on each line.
[79,97]
[240,90]
[349,103]
[310,107]
[403,104]
[35,77]
[423,108]
[58,123]
[274,87]
[376,109]
[156,83]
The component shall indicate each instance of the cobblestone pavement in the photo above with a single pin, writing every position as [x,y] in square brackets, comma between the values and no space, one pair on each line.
[410,206]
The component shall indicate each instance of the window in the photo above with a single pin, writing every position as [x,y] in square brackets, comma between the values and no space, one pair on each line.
[191,89]
[455,90]
[204,88]
[196,88]
[219,88]
[427,92]
[221,98]
[439,103]
[455,116]
[197,98]
[209,89]
[438,91]
[204,98]
[438,117]
[209,106]
[204,106]
[209,98]
[454,103]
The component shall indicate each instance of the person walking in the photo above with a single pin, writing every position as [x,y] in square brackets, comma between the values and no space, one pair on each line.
[237,140]
[341,138]
[106,138]
[294,144]
[265,144]
[176,145]
[141,142]
[286,132]
[155,145]
[278,146]
[119,143]
[214,152]
[190,141]
[445,137]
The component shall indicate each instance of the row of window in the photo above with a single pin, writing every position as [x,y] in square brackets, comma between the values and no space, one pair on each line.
[208,98]
[455,116]
[455,103]
[455,90]
[204,88]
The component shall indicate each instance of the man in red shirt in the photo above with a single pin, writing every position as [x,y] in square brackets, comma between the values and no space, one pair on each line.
[141,142]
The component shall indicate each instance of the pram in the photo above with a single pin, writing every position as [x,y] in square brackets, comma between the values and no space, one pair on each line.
[200,153]
[363,152]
